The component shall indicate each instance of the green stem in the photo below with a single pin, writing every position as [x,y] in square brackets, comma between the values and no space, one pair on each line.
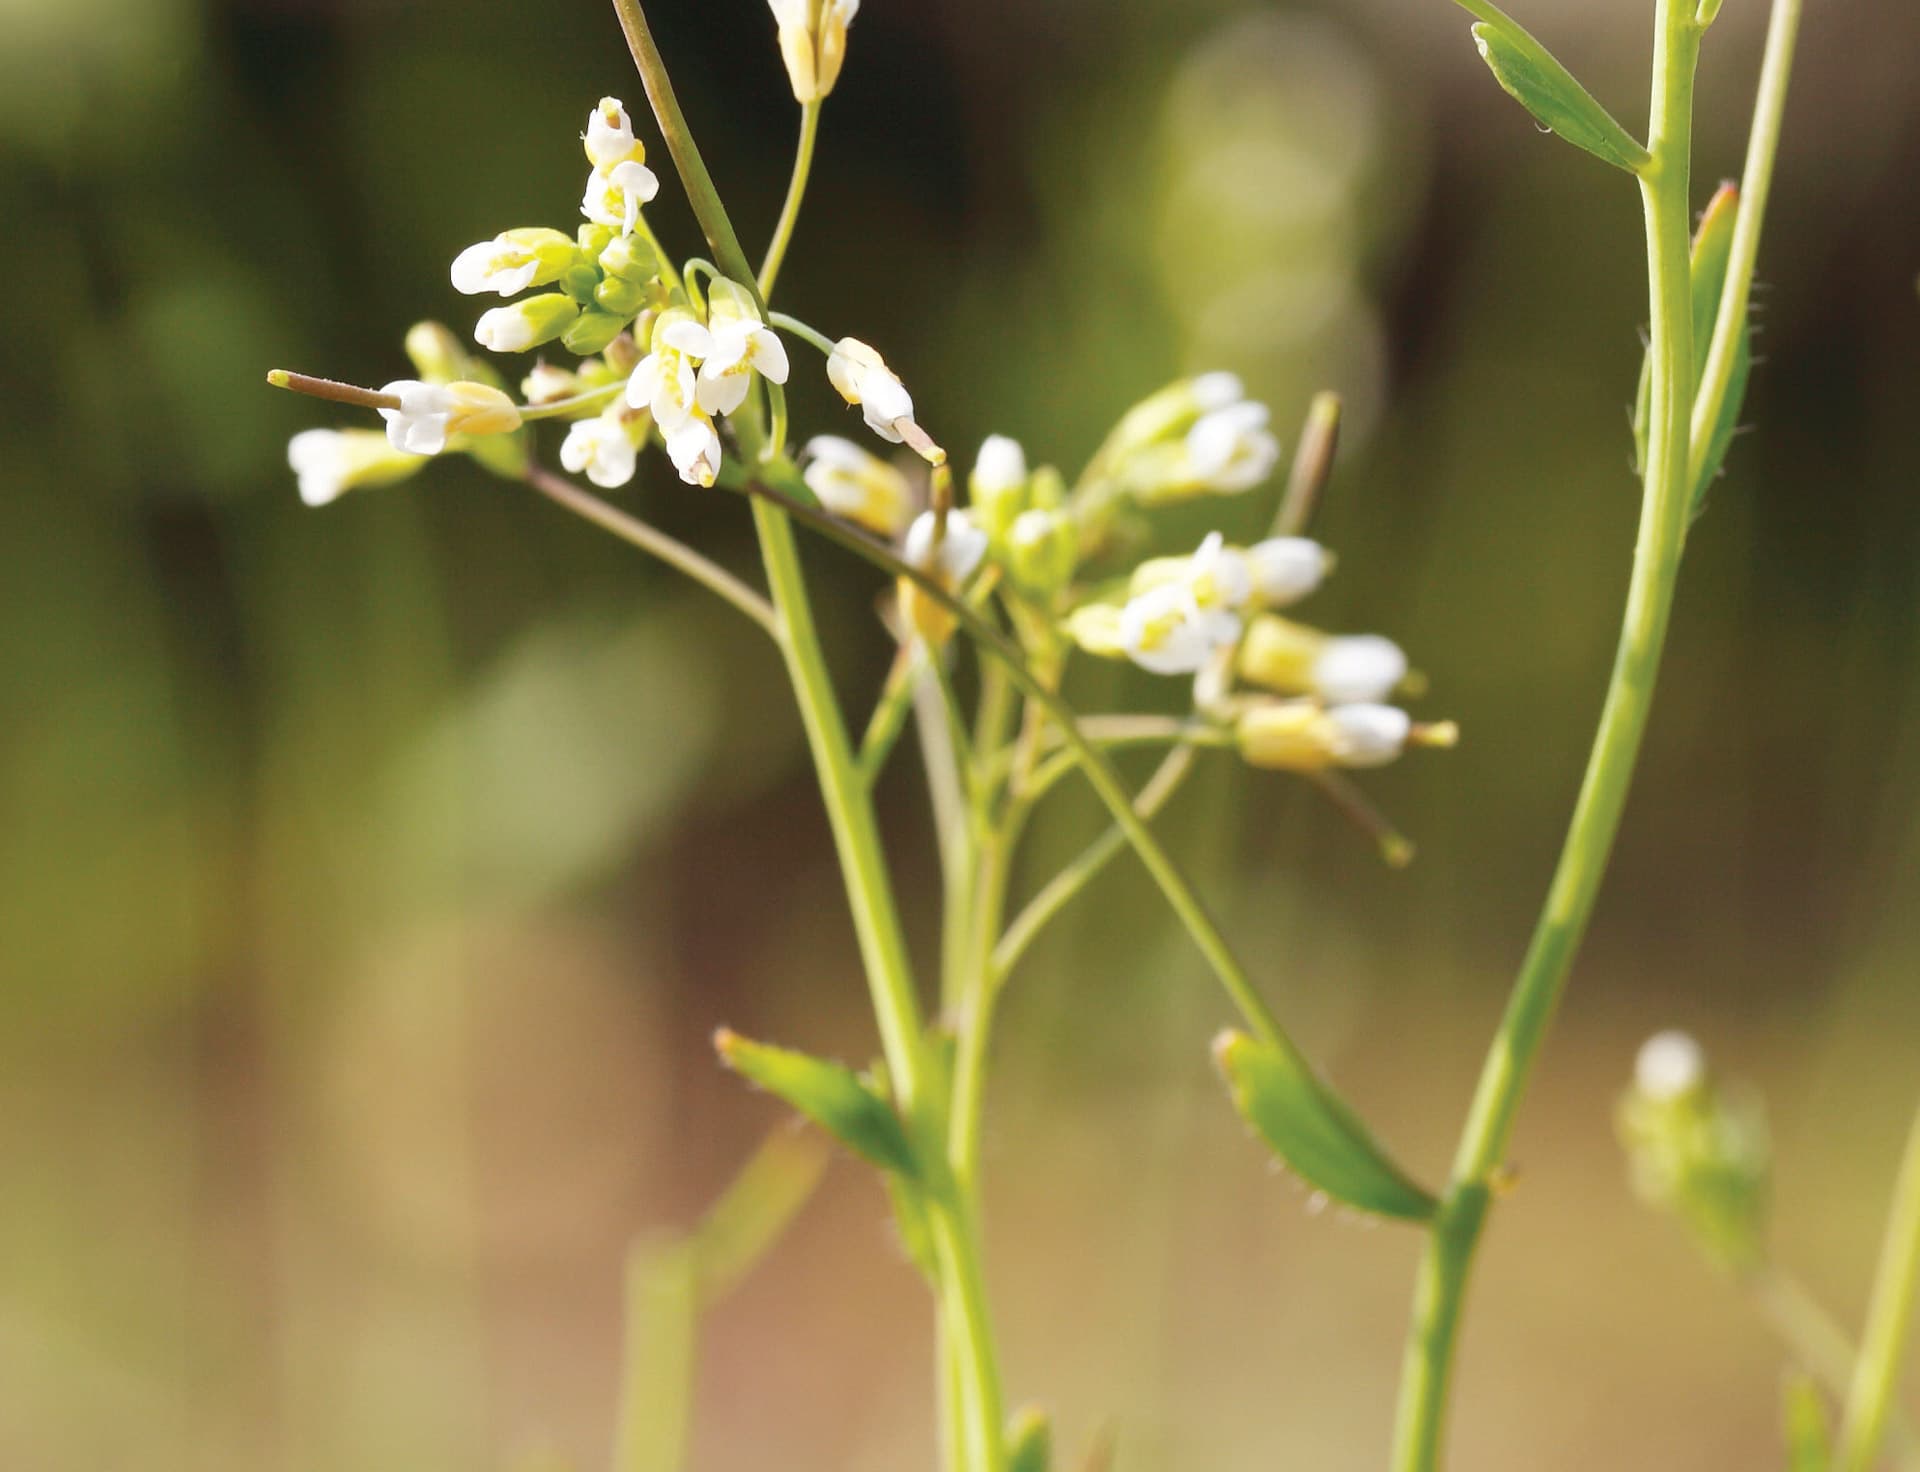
[670,550]
[796,191]
[1443,1274]
[1763,144]
[1876,1374]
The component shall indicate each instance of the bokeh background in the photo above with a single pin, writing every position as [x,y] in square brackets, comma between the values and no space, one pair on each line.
[371,878]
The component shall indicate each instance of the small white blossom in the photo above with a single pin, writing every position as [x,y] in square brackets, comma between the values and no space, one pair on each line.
[511,262]
[526,323]
[861,487]
[1165,631]
[1287,569]
[1230,449]
[1216,390]
[329,462]
[740,343]
[603,448]
[614,196]
[609,137]
[665,382]
[1670,1066]
[1000,467]
[862,377]
[1354,668]
[694,447]
[430,412]
[959,554]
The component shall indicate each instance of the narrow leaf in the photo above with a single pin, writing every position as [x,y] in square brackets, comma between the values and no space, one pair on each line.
[1534,78]
[1310,1129]
[1804,1424]
[832,1095]
[1030,1442]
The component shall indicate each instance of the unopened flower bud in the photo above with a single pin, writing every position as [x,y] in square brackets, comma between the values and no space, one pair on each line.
[863,488]
[1305,736]
[997,485]
[1297,660]
[549,382]
[630,258]
[609,138]
[1043,549]
[1286,569]
[1698,1150]
[526,323]
[329,462]
[592,330]
[950,558]
[862,378]
[512,261]
[813,42]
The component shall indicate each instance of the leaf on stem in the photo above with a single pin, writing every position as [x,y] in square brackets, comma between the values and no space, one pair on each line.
[830,1094]
[1712,249]
[1314,1133]
[1535,78]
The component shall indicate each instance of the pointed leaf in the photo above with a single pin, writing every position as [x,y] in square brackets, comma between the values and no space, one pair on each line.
[1534,78]
[1030,1442]
[832,1095]
[1310,1129]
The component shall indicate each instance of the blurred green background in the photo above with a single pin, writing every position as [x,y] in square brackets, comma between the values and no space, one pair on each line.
[371,878]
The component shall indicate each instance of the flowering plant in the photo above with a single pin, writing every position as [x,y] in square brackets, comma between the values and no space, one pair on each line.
[1036,569]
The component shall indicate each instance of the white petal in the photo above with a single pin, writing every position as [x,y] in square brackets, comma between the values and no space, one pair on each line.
[1287,569]
[722,393]
[1358,667]
[1369,735]
[1669,1066]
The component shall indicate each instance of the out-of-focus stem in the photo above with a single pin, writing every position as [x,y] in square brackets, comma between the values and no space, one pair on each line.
[1876,1374]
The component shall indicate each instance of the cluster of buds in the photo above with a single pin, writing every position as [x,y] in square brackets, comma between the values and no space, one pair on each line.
[1698,1150]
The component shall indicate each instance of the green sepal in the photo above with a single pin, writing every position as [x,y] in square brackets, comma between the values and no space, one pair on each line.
[830,1094]
[592,330]
[1030,1441]
[1534,78]
[1803,1421]
[1314,1132]
[622,296]
[579,281]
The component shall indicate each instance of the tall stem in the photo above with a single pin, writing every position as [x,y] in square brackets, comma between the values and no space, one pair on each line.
[1616,747]
[1876,1374]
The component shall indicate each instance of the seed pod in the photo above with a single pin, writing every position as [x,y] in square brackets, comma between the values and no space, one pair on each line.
[1311,1130]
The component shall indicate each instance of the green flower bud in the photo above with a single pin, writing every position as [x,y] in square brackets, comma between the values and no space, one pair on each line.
[621,296]
[1042,550]
[437,354]
[580,282]
[997,486]
[631,258]
[592,330]
[1698,1151]
[1047,488]
[594,239]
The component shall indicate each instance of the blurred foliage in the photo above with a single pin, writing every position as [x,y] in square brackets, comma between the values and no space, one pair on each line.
[371,879]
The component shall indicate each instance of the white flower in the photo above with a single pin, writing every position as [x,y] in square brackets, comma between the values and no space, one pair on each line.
[1670,1066]
[1217,390]
[740,343]
[862,377]
[1164,630]
[960,551]
[1000,467]
[614,195]
[1229,449]
[602,448]
[1368,735]
[526,323]
[430,412]
[609,137]
[694,447]
[1358,667]
[861,487]
[512,261]
[331,461]
[1287,569]
[664,382]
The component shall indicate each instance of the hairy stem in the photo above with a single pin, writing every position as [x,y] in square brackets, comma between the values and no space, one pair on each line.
[1443,1274]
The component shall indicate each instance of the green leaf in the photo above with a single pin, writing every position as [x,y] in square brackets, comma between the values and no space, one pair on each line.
[1030,1442]
[1534,78]
[1712,248]
[1804,1423]
[1310,1129]
[832,1095]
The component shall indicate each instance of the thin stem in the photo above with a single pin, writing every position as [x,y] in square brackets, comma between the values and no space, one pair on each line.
[1876,1374]
[1442,1281]
[670,550]
[890,711]
[796,191]
[1055,895]
[1763,144]
[811,336]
